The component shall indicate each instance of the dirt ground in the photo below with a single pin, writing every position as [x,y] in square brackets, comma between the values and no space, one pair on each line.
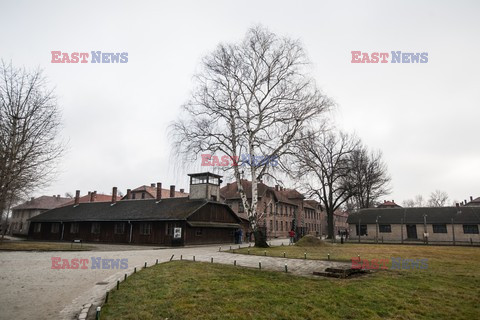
[31,289]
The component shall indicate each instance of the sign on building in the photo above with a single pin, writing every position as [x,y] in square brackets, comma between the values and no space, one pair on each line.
[177,233]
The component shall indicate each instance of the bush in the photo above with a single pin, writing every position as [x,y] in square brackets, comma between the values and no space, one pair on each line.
[310,241]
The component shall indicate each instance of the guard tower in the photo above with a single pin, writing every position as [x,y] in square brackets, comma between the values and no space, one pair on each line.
[205,185]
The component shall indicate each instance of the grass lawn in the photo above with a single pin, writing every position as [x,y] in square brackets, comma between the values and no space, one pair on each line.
[448,289]
[41,246]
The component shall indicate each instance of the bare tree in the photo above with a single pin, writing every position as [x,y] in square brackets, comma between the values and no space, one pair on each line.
[409,203]
[29,125]
[324,165]
[417,201]
[251,98]
[370,177]
[438,198]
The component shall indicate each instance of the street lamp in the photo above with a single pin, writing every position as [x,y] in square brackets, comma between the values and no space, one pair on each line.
[376,230]
[425,234]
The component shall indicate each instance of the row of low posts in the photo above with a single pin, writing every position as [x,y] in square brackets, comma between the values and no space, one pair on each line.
[98,311]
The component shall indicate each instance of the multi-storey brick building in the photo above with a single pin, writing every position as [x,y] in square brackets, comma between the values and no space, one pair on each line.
[280,209]
[19,223]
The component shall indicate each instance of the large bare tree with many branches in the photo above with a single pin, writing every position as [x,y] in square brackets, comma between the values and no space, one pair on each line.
[29,125]
[250,98]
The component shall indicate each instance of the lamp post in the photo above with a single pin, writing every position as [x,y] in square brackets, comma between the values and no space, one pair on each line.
[425,234]
[376,230]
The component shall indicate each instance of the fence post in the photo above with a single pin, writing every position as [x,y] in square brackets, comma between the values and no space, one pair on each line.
[97,315]
[401,229]
[453,232]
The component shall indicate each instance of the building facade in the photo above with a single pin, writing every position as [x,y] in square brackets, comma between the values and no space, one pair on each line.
[280,209]
[19,223]
[458,224]
[195,219]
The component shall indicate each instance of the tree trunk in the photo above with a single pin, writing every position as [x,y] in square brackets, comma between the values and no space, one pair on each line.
[261,237]
[331,227]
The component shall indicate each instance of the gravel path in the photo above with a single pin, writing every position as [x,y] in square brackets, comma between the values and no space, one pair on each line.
[31,289]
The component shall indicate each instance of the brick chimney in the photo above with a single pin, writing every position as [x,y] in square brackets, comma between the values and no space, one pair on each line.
[92,196]
[114,195]
[182,190]
[276,187]
[152,185]
[129,194]
[172,191]
[458,205]
[159,191]
[471,198]
[77,197]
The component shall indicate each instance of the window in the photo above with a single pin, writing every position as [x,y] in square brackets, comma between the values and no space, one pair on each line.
[38,227]
[271,225]
[363,229]
[439,228]
[145,228]
[214,198]
[133,195]
[95,228]
[55,228]
[119,228]
[143,195]
[199,232]
[169,228]
[240,207]
[271,209]
[384,228]
[276,225]
[281,225]
[470,228]
[74,227]
[199,180]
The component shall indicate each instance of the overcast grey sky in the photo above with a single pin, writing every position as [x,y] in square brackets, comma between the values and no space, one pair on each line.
[424,117]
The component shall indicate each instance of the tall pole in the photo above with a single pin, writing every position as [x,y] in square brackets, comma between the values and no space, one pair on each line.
[359,230]
[453,232]
[275,220]
[425,228]
[401,229]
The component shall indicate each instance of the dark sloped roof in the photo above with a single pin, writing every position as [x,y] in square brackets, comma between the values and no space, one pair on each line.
[149,209]
[43,202]
[415,215]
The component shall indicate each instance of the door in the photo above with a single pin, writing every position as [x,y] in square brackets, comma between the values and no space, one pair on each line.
[411,231]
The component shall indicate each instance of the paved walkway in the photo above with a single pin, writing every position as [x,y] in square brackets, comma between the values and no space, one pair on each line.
[31,289]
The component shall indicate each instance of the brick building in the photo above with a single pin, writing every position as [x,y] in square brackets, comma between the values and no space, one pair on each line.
[19,223]
[280,208]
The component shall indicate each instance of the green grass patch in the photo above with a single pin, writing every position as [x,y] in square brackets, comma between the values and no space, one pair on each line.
[448,289]
[41,246]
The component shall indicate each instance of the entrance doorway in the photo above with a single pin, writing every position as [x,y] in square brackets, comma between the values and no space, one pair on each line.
[411,231]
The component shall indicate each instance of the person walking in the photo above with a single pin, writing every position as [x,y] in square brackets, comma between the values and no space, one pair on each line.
[291,234]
